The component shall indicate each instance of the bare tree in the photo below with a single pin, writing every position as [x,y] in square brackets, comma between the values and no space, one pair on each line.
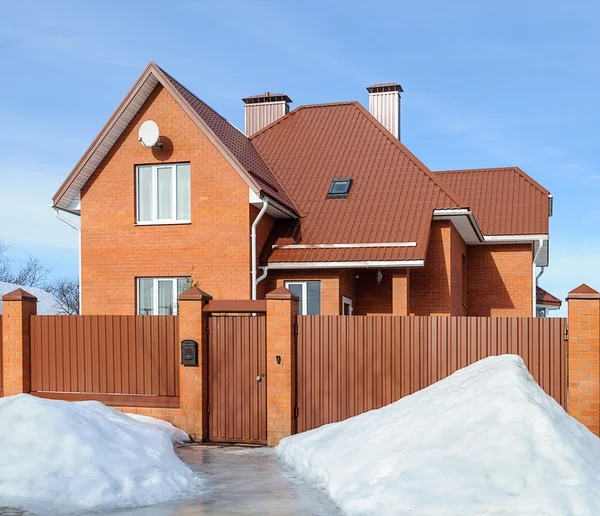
[66,291]
[31,274]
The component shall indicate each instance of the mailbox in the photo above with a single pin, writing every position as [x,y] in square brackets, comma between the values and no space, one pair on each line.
[189,353]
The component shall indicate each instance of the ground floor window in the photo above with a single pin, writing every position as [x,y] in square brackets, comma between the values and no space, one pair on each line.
[158,296]
[309,294]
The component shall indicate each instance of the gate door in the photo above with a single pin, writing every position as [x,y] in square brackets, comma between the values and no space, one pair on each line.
[237,383]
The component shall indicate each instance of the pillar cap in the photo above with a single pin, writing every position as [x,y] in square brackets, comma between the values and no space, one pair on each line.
[583,291]
[194,294]
[282,293]
[19,295]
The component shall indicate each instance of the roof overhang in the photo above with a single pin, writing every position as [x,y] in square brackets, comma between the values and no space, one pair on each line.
[541,254]
[464,221]
[396,264]
[67,196]
[275,209]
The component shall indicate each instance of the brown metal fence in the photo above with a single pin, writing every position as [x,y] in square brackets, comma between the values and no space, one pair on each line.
[349,365]
[119,360]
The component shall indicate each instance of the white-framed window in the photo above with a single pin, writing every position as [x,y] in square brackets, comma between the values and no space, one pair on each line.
[347,308]
[158,296]
[309,294]
[163,194]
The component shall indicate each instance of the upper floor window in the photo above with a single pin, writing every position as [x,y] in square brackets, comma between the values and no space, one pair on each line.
[163,193]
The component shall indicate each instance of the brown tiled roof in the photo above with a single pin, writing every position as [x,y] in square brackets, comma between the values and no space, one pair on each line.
[392,197]
[238,144]
[505,201]
[545,298]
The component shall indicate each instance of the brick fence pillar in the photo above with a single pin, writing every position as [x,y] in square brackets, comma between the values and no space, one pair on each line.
[17,306]
[400,291]
[192,380]
[282,311]
[584,357]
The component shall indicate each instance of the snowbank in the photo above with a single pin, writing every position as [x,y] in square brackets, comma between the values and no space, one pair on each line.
[486,440]
[57,456]
[176,435]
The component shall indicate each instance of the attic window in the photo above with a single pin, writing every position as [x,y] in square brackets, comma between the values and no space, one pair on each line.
[339,189]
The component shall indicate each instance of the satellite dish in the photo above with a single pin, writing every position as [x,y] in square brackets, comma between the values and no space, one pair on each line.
[148,134]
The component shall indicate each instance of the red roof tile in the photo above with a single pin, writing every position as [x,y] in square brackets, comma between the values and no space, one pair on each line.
[545,298]
[505,201]
[392,198]
[238,144]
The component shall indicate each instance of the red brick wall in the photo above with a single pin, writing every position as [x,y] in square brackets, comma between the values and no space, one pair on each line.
[430,286]
[500,280]
[373,298]
[458,249]
[214,249]
[348,287]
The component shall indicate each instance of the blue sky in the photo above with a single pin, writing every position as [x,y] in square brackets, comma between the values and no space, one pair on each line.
[486,84]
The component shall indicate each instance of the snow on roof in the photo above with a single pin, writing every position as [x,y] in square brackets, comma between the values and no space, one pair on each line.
[485,440]
[47,302]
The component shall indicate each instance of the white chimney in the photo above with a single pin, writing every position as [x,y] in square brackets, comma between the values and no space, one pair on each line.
[384,105]
[261,110]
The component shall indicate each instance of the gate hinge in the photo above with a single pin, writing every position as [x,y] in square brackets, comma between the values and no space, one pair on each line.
[296,411]
[207,328]
[566,334]
[208,409]
[296,329]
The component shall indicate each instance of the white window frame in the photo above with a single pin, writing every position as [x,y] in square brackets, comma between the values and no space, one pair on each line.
[155,220]
[303,307]
[347,301]
[155,292]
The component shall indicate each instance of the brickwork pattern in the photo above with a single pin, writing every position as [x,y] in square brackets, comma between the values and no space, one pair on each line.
[400,291]
[584,362]
[281,377]
[16,345]
[214,249]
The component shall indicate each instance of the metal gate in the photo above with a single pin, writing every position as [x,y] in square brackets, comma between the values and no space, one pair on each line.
[237,384]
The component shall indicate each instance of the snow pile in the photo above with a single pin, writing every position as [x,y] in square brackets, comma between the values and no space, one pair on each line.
[176,435]
[486,440]
[47,303]
[57,456]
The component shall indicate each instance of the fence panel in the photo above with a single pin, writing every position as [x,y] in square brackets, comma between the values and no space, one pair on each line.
[348,365]
[119,360]
[1,366]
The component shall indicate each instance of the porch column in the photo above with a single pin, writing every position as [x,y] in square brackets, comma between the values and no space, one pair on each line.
[400,291]
[584,357]
[282,312]
[17,307]
[192,382]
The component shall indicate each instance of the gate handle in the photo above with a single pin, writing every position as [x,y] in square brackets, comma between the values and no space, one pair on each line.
[259,377]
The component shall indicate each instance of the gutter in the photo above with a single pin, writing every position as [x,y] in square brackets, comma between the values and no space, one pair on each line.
[78,229]
[535,278]
[258,218]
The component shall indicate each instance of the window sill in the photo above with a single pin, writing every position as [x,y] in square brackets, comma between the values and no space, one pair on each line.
[164,223]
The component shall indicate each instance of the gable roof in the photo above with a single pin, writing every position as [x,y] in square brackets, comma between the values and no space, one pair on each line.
[505,201]
[394,193]
[233,144]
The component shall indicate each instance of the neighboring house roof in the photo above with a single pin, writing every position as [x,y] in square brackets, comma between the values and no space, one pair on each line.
[393,194]
[505,201]
[543,297]
[47,302]
[235,146]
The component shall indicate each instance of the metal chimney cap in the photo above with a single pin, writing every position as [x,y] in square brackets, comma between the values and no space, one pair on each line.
[267,97]
[385,87]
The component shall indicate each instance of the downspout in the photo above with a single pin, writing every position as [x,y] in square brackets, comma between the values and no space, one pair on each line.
[253,246]
[535,278]
[78,229]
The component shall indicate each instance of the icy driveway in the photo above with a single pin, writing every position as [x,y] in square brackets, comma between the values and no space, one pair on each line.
[243,481]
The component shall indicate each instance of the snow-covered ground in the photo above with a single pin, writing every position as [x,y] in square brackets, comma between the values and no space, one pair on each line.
[57,456]
[486,440]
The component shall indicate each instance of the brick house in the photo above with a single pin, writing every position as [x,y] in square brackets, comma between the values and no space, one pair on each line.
[323,199]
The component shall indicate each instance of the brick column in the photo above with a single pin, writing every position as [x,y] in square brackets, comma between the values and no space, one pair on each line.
[17,306]
[584,356]
[192,380]
[400,291]
[282,311]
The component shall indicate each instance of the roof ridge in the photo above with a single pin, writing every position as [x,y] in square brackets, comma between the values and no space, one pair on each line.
[516,169]
[416,161]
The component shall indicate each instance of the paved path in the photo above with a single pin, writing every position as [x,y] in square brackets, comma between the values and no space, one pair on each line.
[243,481]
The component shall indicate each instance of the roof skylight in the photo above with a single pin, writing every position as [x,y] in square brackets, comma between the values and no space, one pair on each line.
[339,189]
